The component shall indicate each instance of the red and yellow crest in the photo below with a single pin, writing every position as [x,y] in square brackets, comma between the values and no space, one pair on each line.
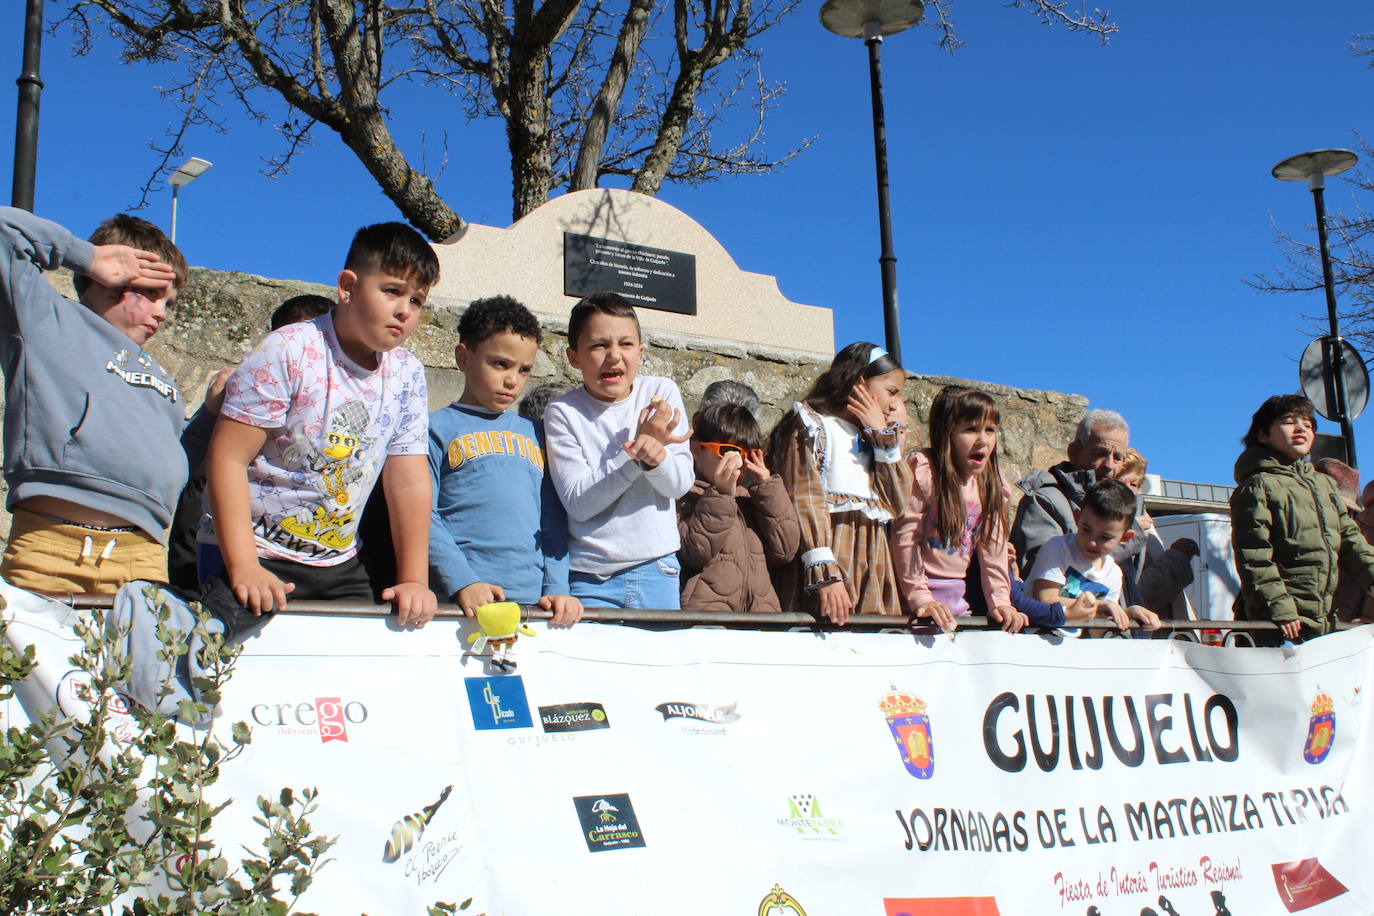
[910,727]
[1321,729]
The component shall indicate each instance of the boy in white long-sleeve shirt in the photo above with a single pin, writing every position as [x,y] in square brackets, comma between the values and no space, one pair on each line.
[618,458]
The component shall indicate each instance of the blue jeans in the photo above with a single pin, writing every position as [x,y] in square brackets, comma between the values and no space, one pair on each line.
[652,585]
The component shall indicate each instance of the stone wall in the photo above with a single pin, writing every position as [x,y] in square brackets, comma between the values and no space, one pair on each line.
[219,316]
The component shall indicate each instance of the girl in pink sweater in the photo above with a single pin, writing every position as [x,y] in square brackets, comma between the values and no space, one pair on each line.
[958,504]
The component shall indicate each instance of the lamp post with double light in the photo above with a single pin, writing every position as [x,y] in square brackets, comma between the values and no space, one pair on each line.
[872,20]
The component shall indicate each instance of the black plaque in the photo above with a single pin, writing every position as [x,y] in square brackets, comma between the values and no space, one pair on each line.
[649,277]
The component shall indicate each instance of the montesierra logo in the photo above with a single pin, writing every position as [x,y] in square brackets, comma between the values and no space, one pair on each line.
[804,816]
[717,715]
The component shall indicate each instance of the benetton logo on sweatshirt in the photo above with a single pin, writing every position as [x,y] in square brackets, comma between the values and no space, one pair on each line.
[496,442]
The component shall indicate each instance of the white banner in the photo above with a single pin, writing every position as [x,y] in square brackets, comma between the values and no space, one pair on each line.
[712,771]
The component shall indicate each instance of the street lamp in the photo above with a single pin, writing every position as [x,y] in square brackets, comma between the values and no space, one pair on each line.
[26,116]
[1313,168]
[186,173]
[871,20]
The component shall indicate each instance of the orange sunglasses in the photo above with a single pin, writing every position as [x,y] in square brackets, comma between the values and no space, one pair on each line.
[721,449]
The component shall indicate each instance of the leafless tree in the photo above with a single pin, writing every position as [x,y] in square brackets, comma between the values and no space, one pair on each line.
[1350,234]
[640,89]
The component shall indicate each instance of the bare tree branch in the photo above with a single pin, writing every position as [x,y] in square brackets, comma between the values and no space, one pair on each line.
[652,90]
[607,103]
[1350,235]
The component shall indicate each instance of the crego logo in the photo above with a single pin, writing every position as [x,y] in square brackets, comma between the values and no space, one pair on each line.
[328,717]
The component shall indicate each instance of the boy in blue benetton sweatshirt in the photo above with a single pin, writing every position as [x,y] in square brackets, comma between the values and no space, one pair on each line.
[498,532]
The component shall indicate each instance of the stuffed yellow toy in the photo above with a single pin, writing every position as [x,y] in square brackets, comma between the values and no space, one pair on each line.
[500,628]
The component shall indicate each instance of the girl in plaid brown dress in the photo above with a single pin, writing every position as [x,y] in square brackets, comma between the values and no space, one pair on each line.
[841,461]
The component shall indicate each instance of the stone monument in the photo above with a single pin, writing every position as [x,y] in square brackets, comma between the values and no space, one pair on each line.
[681,280]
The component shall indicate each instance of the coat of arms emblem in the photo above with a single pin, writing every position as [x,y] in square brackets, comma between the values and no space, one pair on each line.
[910,727]
[1321,729]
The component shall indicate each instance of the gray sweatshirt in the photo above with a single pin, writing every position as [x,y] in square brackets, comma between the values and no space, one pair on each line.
[619,513]
[89,417]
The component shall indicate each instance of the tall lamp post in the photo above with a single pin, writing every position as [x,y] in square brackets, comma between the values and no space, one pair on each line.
[871,20]
[186,173]
[1314,168]
[26,117]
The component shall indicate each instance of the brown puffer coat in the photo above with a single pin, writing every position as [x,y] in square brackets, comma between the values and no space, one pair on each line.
[730,542]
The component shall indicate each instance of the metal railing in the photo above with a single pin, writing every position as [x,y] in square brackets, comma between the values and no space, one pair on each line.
[1211,632]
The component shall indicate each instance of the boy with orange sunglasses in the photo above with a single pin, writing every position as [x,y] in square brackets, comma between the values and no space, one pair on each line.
[737,523]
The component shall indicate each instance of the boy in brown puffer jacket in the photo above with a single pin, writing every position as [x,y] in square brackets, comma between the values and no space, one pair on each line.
[1289,526]
[737,522]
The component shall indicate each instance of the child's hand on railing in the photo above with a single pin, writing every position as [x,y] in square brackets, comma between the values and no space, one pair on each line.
[1012,620]
[415,603]
[1081,609]
[1113,610]
[259,590]
[567,610]
[471,597]
[1144,616]
[835,603]
[938,613]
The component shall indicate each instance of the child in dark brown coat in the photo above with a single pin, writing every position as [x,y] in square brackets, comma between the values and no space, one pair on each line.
[737,522]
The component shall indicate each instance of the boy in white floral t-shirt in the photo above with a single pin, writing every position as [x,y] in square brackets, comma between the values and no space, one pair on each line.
[311,419]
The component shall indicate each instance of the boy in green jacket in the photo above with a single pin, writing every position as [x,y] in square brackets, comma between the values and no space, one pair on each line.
[1289,527]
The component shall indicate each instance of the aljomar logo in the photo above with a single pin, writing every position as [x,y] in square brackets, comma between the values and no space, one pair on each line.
[718,715]
[804,815]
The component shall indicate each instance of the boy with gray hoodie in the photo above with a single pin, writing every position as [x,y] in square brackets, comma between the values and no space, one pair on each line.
[92,422]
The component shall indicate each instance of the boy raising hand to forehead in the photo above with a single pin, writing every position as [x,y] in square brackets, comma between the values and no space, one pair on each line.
[91,420]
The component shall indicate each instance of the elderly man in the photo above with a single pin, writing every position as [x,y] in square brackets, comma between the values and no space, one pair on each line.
[1047,511]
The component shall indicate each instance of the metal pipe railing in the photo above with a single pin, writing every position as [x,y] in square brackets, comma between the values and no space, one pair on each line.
[1186,629]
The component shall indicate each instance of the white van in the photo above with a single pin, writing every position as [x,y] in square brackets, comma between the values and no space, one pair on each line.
[1215,584]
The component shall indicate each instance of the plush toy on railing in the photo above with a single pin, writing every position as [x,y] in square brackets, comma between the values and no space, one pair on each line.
[500,628]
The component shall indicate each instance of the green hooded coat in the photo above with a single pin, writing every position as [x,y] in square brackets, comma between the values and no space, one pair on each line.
[1292,535]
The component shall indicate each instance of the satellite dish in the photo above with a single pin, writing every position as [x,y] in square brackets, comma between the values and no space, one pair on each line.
[1313,375]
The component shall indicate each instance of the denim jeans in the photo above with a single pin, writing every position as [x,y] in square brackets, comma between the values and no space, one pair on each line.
[652,585]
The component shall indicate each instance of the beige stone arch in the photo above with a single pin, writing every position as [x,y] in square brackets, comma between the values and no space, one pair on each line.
[525,260]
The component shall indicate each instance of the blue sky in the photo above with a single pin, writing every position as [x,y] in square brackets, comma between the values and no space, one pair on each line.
[1067,215]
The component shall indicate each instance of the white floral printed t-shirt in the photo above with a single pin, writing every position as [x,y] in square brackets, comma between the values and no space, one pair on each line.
[331,426]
